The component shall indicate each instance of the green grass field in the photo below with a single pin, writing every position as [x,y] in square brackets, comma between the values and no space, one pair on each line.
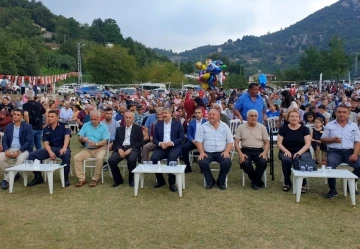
[106,217]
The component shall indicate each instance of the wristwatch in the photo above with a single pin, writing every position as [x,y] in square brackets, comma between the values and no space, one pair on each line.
[97,144]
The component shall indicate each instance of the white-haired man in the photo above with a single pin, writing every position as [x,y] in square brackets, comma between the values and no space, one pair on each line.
[66,113]
[255,144]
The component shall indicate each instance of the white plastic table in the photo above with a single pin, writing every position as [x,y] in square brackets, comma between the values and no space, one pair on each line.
[346,175]
[47,168]
[141,169]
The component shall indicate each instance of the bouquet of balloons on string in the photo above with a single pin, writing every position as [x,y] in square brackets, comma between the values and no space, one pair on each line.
[211,74]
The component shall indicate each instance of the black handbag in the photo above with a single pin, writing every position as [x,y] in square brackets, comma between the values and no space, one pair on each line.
[306,162]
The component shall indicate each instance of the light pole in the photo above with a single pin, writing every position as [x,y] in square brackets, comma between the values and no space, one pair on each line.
[79,63]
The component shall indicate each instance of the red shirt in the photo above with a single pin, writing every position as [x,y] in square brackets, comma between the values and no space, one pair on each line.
[189,106]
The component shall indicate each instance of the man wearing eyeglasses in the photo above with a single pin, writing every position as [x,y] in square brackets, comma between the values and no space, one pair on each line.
[95,135]
[17,143]
[127,144]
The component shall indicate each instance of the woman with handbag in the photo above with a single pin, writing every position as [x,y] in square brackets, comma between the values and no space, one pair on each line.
[293,140]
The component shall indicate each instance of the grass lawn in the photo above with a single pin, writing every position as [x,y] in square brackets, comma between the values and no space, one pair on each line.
[106,217]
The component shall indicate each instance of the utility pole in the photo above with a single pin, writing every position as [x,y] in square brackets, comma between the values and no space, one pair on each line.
[79,64]
[356,64]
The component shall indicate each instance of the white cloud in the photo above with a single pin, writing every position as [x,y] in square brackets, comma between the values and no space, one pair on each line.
[186,24]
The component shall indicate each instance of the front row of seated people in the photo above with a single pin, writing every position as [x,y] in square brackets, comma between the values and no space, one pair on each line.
[212,138]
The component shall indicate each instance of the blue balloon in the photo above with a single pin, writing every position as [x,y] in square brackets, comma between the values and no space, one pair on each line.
[262,79]
[211,81]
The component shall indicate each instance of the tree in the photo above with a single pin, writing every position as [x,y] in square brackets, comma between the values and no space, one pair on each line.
[111,65]
[236,81]
[311,64]
[336,60]
[161,72]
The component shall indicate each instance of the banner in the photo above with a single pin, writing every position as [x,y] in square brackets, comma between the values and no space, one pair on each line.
[38,80]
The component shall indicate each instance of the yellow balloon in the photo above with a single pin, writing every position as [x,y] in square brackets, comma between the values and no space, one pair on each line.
[198,65]
[206,77]
[203,67]
[205,86]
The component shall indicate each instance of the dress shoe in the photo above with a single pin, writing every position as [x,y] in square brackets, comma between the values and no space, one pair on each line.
[67,183]
[159,185]
[173,188]
[254,186]
[116,184]
[188,170]
[261,185]
[221,186]
[17,177]
[4,184]
[131,183]
[35,181]
[209,186]
[80,183]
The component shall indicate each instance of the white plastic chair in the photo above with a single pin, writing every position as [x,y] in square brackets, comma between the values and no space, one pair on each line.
[192,155]
[234,124]
[244,176]
[89,163]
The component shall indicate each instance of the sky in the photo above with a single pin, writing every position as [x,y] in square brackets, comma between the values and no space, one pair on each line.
[186,24]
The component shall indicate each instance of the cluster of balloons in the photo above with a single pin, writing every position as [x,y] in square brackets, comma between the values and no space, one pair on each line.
[211,75]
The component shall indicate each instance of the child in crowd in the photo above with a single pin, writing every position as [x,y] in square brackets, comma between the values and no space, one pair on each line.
[318,147]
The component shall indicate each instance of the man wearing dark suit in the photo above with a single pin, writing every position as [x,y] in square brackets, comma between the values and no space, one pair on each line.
[191,143]
[127,145]
[168,137]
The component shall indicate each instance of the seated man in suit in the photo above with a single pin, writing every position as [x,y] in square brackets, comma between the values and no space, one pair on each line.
[17,143]
[214,141]
[191,143]
[168,137]
[255,144]
[127,145]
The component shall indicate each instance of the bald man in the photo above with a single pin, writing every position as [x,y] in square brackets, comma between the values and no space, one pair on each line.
[127,145]
[95,135]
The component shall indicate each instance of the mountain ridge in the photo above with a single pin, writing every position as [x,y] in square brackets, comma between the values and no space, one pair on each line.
[282,49]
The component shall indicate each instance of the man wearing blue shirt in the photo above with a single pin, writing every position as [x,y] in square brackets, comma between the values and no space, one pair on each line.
[250,101]
[95,135]
[17,143]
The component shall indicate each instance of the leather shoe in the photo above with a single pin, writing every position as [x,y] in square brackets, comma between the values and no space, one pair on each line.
[173,188]
[188,170]
[221,186]
[35,181]
[254,186]
[17,177]
[4,184]
[116,184]
[159,185]
[131,183]
[80,183]
[209,186]
[67,183]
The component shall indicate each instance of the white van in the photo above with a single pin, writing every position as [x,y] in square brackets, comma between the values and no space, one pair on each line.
[151,86]
[65,90]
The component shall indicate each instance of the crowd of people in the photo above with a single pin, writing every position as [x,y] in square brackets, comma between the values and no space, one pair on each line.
[156,127]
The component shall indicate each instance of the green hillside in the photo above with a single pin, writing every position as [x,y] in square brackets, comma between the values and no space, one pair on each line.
[282,49]
[33,41]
